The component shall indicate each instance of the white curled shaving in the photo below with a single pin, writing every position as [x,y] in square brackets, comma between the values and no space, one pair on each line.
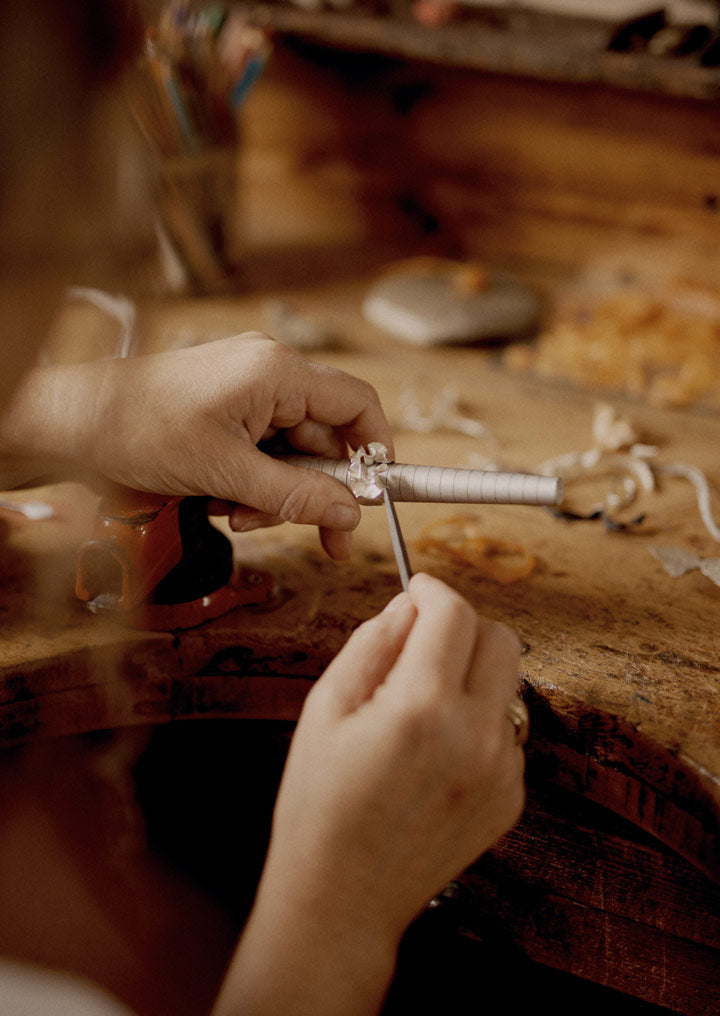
[702,488]
[33,510]
[611,431]
[366,475]
[442,414]
[118,307]
[678,562]
[617,446]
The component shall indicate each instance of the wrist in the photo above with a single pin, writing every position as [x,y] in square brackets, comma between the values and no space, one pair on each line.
[304,954]
[44,429]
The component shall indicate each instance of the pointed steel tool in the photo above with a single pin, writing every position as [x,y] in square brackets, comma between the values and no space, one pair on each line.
[398,543]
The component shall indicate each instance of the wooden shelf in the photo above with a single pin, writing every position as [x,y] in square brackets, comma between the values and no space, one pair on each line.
[525,43]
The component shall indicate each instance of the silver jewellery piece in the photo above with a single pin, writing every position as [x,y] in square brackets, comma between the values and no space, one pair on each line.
[367,474]
[518,715]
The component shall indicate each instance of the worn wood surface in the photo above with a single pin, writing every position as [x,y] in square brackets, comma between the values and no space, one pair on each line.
[612,873]
[621,661]
[620,658]
[580,890]
[620,666]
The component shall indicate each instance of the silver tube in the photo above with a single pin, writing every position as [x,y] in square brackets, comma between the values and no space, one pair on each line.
[445,485]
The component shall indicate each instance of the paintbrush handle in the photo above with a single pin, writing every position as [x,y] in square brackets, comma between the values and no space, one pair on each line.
[445,485]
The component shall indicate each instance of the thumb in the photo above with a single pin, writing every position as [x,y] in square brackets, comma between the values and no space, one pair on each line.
[294,494]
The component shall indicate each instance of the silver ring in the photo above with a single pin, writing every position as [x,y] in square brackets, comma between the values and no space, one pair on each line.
[518,715]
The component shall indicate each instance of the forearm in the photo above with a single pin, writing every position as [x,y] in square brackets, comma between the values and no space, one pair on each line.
[44,428]
[190,422]
[301,964]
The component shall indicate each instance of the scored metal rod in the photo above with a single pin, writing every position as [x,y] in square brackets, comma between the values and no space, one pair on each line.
[446,485]
[398,543]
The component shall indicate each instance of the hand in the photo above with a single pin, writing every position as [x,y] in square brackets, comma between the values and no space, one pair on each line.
[189,421]
[403,769]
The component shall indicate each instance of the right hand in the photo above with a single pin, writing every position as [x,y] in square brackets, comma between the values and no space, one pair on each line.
[404,767]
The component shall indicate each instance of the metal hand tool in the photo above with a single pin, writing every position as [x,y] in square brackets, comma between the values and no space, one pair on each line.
[398,544]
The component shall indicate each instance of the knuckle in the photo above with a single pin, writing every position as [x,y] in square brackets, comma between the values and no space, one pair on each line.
[369,392]
[500,637]
[265,348]
[492,748]
[509,639]
[419,718]
[257,336]
[297,504]
[456,607]
[256,342]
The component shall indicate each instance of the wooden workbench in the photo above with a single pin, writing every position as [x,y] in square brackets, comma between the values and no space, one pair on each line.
[613,873]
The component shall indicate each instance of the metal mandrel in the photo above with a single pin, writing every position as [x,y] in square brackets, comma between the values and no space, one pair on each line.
[444,485]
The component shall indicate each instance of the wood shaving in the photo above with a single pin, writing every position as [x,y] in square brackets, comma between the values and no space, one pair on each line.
[702,487]
[459,538]
[710,567]
[296,329]
[443,413]
[663,348]
[618,451]
[678,562]
[115,306]
[611,431]
[33,510]
[638,462]
[96,342]
[611,524]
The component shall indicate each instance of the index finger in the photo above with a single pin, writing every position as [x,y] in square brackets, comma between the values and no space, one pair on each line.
[495,667]
[347,403]
[440,648]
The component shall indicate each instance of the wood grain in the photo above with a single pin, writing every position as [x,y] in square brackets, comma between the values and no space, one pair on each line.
[370,156]
[620,667]
[581,891]
[536,44]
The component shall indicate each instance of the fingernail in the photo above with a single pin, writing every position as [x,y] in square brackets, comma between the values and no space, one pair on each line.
[340,516]
[248,526]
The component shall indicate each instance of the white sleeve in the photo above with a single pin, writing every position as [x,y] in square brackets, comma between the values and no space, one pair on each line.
[27,990]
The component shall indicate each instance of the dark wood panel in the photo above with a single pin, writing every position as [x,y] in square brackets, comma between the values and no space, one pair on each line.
[531,43]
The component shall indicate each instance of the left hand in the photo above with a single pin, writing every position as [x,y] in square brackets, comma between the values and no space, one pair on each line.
[189,422]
